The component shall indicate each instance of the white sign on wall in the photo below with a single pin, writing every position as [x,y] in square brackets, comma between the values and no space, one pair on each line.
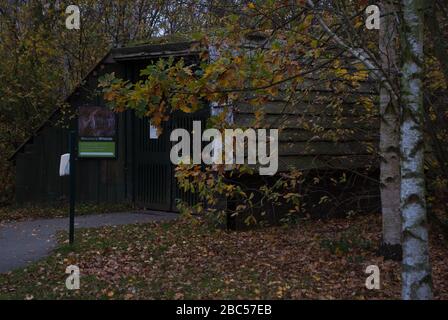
[153,134]
[64,166]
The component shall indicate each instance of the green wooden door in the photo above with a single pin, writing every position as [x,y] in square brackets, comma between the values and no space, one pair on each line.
[155,185]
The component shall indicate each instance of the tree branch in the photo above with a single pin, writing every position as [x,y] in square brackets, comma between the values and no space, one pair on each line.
[358,53]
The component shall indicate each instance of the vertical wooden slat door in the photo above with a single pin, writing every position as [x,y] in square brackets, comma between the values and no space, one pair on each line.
[155,185]
[185,121]
[153,171]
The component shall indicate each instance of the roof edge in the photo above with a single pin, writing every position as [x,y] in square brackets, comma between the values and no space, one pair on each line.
[145,51]
[57,109]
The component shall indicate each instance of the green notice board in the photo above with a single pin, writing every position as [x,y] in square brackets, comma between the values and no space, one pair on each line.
[96,149]
[97,128]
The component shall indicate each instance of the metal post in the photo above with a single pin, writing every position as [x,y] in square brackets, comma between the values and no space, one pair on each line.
[72,144]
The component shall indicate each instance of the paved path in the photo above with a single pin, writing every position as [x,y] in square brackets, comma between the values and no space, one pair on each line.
[24,242]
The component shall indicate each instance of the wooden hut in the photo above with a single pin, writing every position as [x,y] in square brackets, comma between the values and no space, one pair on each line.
[139,170]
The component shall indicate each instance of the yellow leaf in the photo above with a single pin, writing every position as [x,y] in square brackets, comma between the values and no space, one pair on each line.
[185,108]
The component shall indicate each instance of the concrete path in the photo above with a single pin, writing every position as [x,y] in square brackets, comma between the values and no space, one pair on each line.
[28,241]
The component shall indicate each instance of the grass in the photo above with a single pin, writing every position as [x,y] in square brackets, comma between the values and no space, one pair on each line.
[187,259]
[57,210]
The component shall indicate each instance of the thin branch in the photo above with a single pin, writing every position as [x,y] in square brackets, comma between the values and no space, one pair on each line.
[358,53]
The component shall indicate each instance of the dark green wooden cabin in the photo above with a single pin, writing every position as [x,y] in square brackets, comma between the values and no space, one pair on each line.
[142,172]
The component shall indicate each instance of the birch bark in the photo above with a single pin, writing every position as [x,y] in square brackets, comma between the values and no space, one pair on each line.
[416,270]
[389,136]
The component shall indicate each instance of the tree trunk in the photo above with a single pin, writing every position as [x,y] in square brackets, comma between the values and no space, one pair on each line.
[416,272]
[389,137]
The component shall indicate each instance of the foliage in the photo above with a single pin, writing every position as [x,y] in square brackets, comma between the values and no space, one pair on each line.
[187,260]
[253,59]
[436,113]
[41,61]
[250,204]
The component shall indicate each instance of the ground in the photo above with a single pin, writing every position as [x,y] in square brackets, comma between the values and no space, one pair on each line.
[184,259]
[31,240]
[58,210]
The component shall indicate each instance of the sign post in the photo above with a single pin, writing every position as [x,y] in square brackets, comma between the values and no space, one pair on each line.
[72,145]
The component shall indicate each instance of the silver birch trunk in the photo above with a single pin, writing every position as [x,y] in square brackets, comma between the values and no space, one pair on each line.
[389,136]
[416,270]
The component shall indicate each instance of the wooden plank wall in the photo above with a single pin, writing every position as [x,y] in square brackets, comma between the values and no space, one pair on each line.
[37,168]
[98,180]
[308,128]
[314,134]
